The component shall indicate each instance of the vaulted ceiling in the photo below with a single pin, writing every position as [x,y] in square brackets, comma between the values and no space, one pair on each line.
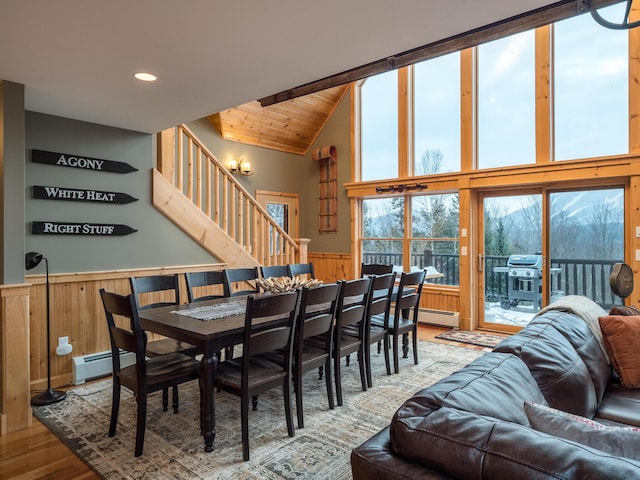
[76,58]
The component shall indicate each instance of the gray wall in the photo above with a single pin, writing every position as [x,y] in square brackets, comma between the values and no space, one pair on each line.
[156,243]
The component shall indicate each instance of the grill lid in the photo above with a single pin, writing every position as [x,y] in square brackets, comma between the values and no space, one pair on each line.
[533,261]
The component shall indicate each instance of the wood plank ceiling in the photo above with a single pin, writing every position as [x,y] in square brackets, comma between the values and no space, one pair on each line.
[290,126]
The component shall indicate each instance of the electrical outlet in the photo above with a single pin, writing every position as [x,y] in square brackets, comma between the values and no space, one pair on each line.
[637,231]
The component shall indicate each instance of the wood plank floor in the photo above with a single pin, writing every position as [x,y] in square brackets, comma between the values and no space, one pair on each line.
[36,453]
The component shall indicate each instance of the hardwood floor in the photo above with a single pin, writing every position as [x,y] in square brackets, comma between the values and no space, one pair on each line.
[36,453]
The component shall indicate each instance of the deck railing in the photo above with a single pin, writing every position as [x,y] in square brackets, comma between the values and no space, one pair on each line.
[586,277]
[193,170]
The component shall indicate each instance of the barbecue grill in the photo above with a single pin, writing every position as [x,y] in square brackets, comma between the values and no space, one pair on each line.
[524,281]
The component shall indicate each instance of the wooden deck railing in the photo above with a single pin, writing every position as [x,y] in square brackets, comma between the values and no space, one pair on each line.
[193,170]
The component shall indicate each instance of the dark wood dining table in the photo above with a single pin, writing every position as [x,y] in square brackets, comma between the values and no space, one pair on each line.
[209,337]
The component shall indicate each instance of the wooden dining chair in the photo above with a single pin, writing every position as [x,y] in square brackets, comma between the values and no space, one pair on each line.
[377,325]
[236,275]
[198,281]
[349,335]
[301,269]
[160,291]
[251,374]
[144,376]
[375,269]
[274,271]
[405,318]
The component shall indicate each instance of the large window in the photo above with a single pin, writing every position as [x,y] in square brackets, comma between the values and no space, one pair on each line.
[506,101]
[383,230]
[591,88]
[380,126]
[437,115]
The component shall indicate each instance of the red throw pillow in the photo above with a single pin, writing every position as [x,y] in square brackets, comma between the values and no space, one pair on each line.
[621,336]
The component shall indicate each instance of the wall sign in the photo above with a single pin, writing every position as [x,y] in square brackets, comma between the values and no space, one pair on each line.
[71,228]
[81,195]
[78,161]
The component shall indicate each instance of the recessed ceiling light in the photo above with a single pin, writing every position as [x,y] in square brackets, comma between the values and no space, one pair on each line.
[145,77]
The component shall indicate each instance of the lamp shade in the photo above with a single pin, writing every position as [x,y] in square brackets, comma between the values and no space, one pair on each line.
[32,260]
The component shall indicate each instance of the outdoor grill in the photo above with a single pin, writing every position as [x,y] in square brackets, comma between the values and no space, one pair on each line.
[524,281]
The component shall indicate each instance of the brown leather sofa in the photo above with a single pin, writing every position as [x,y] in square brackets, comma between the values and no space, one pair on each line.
[472,424]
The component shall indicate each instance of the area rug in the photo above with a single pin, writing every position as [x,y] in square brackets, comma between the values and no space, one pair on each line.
[473,338]
[174,448]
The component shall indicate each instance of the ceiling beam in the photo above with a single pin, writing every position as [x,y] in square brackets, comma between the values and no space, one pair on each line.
[519,23]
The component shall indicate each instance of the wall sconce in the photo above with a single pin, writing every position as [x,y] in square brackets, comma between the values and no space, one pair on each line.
[240,166]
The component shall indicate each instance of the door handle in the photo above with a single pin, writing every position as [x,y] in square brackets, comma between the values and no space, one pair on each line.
[480,262]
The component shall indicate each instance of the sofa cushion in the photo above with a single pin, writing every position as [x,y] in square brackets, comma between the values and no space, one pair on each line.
[619,441]
[494,384]
[622,340]
[466,445]
[556,366]
[578,334]
[620,405]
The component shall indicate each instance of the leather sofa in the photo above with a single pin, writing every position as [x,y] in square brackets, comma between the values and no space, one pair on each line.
[473,424]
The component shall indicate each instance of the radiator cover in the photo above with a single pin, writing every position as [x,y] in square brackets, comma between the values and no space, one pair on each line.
[95,365]
[438,317]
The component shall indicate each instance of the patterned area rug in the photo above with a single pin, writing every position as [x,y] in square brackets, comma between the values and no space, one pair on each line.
[473,338]
[174,449]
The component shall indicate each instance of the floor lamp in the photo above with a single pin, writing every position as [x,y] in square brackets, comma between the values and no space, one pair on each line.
[49,396]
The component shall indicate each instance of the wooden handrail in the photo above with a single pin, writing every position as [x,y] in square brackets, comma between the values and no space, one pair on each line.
[193,170]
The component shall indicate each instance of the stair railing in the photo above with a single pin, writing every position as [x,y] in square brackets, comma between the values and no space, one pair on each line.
[192,169]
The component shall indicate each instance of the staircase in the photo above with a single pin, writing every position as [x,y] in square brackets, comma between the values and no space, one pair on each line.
[194,190]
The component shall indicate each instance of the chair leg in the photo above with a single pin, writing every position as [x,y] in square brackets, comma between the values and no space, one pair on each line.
[141,421]
[405,345]
[244,420]
[320,372]
[414,340]
[297,379]
[254,403]
[174,392]
[379,346]
[387,361]
[165,399]
[367,358]
[396,360]
[338,374]
[363,368]
[329,383]
[348,360]
[115,406]
[286,393]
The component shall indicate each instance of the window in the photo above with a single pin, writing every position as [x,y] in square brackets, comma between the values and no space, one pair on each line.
[506,101]
[591,88]
[434,235]
[383,230]
[437,115]
[379,142]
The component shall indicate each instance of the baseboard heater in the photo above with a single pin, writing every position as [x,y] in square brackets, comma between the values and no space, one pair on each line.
[95,365]
[438,317]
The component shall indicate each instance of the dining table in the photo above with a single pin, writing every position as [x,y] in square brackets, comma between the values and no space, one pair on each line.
[210,326]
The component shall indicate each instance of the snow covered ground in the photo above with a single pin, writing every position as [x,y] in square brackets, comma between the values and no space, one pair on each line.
[519,316]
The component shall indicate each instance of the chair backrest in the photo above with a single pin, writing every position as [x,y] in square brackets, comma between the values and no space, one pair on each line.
[157,284]
[375,269]
[352,303]
[132,339]
[278,334]
[197,280]
[380,296]
[274,271]
[301,269]
[233,275]
[409,293]
[317,311]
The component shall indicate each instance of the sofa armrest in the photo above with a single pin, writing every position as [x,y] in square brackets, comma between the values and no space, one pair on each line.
[374,460]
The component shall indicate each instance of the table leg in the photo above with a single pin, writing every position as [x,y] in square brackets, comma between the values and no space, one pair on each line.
[209,365]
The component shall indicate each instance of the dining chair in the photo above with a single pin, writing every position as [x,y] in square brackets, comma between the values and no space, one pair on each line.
[250,374]
[301,269]
[144,376]
[314,340]
[375,269]
[349,335]
[377,325]
[160,291]
[235,275]
[405,317]
[198,281]
[274,271]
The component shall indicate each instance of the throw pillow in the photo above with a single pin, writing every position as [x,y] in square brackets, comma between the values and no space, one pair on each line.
[621,335]
[628,311]
[619,441]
